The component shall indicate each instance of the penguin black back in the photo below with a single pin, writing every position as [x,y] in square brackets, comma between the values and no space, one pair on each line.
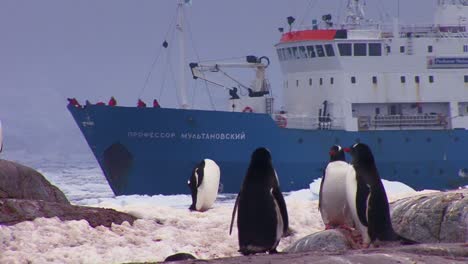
[371,198]
[195,181]
[262,215]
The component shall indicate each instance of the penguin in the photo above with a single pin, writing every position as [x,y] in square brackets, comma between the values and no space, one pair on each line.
[333,204]
[204,184]
[367,198]
[262,214]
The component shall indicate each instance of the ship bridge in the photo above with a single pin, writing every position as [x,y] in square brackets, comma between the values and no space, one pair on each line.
[379,76]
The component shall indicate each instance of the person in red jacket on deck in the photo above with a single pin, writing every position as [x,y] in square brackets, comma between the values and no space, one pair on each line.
[73,102]
[112,101]
[156,104]
[141,103]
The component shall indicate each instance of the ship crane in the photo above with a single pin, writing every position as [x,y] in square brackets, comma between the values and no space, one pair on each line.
[258,100]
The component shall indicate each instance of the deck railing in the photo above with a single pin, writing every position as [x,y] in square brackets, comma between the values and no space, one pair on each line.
[308,122]
[438,121]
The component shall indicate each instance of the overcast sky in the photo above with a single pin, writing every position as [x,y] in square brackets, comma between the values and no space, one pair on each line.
[92,49]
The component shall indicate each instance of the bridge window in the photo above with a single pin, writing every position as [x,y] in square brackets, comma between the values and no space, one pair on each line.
[285,53]
[403,79]
[429,49]
[331,80]
[353,79]
[295,53]
[329,50]
[360,49]
[431,78]
[321,81]
[297,83]
[416,79]
[466,78]
[280,54]
[465,48]
[311,51]
[290,54]
[374,79]
[375,49]
[310,81]
[345,49]
[302,52]
[389,49]
[320,51]
[402,49]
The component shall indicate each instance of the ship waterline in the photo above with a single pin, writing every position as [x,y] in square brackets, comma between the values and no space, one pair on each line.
[156,153]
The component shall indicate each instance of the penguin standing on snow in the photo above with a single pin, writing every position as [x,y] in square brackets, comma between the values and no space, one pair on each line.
[262,215]
[204,184]
[333,204]
[367,198]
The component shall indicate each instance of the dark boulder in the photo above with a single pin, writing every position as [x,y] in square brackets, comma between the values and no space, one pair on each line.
[21,182]
[13,211]
[25,194]
[439,217]
[179,257]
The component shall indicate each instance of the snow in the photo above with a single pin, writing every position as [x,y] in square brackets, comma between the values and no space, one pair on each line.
[165,227]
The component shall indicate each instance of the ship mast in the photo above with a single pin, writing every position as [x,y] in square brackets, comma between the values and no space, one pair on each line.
[355,12]
[181,88]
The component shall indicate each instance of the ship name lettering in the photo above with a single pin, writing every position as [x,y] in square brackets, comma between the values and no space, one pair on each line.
[187,135]
[151,134]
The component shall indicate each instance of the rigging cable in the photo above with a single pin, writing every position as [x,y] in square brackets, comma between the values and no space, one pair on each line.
[340,10]
[148,75]
[311,5]
[163,78]
[168,62]
[234,80]
[189,30]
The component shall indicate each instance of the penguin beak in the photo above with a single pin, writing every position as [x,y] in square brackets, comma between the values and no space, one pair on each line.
[347,150]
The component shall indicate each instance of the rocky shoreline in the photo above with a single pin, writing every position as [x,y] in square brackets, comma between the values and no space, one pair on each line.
[25,195]
[425,253]
[439,221]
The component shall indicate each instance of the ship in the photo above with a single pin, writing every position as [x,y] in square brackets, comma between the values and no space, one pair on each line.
[401,89]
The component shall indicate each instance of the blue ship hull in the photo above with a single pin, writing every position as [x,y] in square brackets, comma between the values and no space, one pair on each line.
[153,150]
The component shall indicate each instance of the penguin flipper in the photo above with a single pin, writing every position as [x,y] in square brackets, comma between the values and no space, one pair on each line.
[234,213]
[362,198]
[320,191]
[282,206]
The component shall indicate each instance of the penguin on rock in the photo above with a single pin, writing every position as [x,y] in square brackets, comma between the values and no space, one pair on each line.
[367,199]
[333,204]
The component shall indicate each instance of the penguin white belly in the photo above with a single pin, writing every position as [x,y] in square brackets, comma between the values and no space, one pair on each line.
[351,194]
[279,219]
[208,190]
[334,206]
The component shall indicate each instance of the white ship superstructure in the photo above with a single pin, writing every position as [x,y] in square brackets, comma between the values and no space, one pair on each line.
[361,76]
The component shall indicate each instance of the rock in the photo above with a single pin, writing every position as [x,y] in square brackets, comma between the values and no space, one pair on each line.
[25,194]
[13,211]
[333,240]
[433,217]
[179,257]
[423,253]
[21,182]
